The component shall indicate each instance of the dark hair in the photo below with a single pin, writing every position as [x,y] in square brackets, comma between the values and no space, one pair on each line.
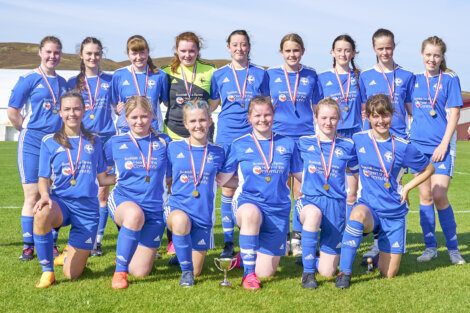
[327,102]
[292,37]
[260,100]
[382,32]
[52,39]
[348,39]
[138,43]
[188,36]
[60,137]
[379,104]
[81,76]
[240,32]
[438,42]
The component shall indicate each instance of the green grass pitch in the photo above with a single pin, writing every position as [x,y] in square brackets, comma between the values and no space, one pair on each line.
[432,287]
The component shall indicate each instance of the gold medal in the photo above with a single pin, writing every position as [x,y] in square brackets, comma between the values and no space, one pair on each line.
[147,179]
[73,182]
[195,193]
[432,112]
[267,179]
[92,116]
[387,185]
[326,187]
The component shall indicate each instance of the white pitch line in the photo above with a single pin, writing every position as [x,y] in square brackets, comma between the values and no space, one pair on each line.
[464,211]
[461,173]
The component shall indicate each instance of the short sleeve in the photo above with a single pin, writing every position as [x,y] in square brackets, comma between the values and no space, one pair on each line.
[295,161]
[108,153]
[45,160]
[264,87]
[414,159]
[19,94]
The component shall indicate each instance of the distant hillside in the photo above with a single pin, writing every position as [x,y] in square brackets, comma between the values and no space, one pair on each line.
[15,55]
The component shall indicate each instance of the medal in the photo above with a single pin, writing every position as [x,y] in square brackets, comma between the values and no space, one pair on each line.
[145,163]
[136,82]
[92,100]
[344,95]
[92,116]
[391,89]
[55,110]
[271,154]
[326,168]
[293,96]
[241,92]
[74,166]
[433,101]
[381,161]
[197,179]
[189,89]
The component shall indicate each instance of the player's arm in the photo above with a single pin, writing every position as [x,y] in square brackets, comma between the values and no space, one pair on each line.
[15,117]
[298,176]
[452,121]
[105,179]
[44,200]
[227,180]
[417,180]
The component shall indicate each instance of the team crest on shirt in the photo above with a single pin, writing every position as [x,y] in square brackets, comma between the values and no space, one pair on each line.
[66,171]
[104,86]
[151,83]
[231,98]
[46,105]
[339,152]
[155,145]
[281,149]
[312,169]
[257,170]
[388,156]
[398,81]
[435,87]
[304,81]
[366,173]
[184,178]
[210,158]
[282,97]
[353,81]
[128,165]
[418,104]
[179,100]
[250,79]
[89,148]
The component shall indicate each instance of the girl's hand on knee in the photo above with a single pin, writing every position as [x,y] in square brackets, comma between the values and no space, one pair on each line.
[44,201]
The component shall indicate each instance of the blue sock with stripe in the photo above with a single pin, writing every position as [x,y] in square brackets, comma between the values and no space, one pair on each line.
[184,251]
[227,218]
[27,231]
[248,246]
[427,219]
[349,208]
[449,227]
[352,238]
[126,245]
[44,245]
[55,235]
[102,223]
[309,247]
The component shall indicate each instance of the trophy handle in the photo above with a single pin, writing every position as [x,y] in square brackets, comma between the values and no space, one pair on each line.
[233,263]
[217,265]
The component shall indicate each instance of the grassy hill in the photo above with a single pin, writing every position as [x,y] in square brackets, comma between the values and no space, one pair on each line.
[15,55]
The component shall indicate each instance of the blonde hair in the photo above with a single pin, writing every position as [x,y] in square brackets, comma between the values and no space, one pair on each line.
[327,102]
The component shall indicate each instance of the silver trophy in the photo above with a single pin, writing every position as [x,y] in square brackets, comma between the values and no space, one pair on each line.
[225,265]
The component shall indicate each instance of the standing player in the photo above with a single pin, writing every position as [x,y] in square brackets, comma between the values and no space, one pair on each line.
[264,161]
[94,86]
[136,202]
[381,208]
[437,100]
[234,85]
[326,158]
[388,78]
[141,78]
[71,160]
[190,208]
[294,90]
[342,84]
[33,109]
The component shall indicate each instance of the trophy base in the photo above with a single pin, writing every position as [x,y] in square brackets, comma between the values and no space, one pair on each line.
[225,284]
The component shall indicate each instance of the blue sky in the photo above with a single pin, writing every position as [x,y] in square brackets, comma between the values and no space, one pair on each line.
[267,21]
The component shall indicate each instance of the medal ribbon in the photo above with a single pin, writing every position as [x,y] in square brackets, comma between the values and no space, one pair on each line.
[379,156]
[242,92]
[433,101]
[345,97]
[51,91]
[293,97]
[391,89]
[87,86]
[147,162]
[189,90]
[271,151]
[136,83]
[326,169]
[197,179]
[74,167]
